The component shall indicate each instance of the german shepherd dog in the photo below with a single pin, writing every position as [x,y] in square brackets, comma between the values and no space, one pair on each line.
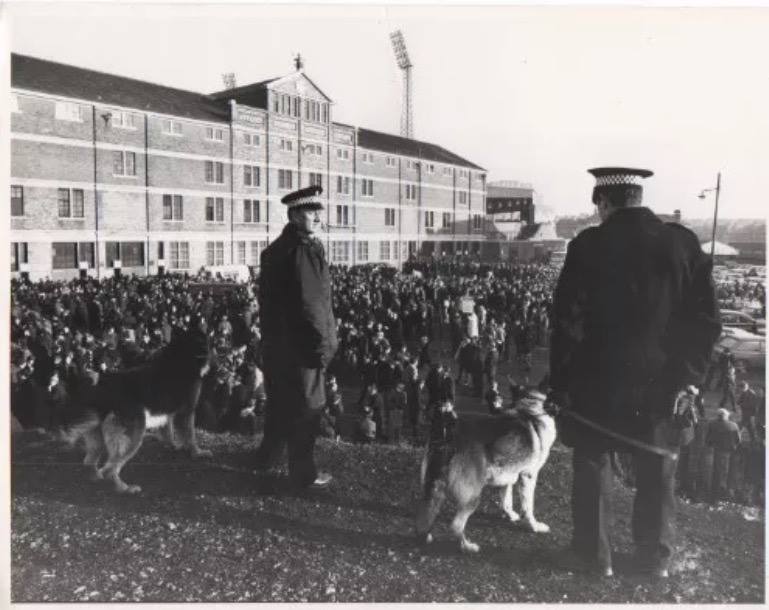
[113,415]
[500,450]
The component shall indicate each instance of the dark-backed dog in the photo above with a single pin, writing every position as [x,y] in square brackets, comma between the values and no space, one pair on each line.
[497,450]
[113,415]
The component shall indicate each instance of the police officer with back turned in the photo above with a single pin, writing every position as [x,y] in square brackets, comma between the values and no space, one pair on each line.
[635,320]
[299,339]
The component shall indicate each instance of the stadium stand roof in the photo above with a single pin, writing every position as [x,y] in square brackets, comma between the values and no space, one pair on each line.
[55,78]
[70,81]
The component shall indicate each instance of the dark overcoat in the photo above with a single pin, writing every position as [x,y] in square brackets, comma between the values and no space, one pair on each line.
[297,322]
[635,318]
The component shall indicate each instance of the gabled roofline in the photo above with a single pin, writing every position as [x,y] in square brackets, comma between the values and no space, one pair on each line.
[276,81]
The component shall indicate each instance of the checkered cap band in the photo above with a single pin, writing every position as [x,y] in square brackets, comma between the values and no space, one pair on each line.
[616,179]
[309,200]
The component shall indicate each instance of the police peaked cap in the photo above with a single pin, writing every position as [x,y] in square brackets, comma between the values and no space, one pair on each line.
[308,197]
[607,178]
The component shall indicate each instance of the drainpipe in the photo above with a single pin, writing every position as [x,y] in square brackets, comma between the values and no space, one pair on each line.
[147,194]
[95,197]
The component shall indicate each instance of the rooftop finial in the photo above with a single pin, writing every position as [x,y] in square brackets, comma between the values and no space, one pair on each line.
[299,62]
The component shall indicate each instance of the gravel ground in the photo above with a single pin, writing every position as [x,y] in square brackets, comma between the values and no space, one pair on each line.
[209,530]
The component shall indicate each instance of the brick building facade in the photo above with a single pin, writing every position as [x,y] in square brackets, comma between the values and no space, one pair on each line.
[106,168]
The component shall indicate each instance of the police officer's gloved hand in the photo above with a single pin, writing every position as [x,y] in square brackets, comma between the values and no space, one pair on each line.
[557,400]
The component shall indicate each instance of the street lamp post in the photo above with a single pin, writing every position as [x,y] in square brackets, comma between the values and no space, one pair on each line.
[715,214]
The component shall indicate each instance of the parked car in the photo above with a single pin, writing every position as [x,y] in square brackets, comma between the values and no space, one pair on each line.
[749,350]
[737,319]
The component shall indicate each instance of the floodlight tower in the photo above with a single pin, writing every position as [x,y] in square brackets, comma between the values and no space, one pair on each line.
[404,63]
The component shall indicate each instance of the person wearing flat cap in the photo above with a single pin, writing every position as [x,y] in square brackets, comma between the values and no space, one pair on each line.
[299,339]
[635,318]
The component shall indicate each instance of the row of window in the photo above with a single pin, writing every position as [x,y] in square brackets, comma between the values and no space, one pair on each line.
[284,104]
[70,204]
[69,255]
[173,209]
[290,105]
[341,251]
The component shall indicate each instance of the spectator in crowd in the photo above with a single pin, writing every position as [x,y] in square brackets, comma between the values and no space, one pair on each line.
[747,402]
[396,407]
[724,437]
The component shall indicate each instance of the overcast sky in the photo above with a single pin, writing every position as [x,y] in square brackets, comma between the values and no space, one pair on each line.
[532,94]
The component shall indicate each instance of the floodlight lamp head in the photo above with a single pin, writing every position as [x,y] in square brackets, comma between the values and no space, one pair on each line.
[399,46]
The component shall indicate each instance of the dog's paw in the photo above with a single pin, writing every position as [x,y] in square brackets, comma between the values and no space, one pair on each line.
[469,547]
[538,527]
[132,489]
[513,516]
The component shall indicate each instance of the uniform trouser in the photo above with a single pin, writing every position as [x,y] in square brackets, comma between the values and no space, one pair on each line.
[653,520]
[291,425]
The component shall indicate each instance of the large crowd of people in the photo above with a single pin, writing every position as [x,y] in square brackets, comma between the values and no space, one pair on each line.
[408,341]
[403,336]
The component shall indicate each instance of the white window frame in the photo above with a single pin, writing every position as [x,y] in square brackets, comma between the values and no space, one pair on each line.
[254,206]
[463,173]
[182,258]
[218,206]
[343,154]
[340,251]
[446,220]
[124,120]
[389,217]
[172,128]
[215,165]
[430,168]
[366,187]
[462,197]
[214,134]
[362,252]
[283,184]
[447,171]
[240,252]
[256,178]
[174,200]
[21,190]
[124,156]
[368,157]
[286,145]
[217,251]
[411,192]
[429,219]
[69,111]
[390,161]
[253,140]
[315,179]
[384,250]
[342,215]
[343,185]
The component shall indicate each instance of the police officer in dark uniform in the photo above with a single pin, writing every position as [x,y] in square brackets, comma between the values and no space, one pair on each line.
[635,318]
[299,339]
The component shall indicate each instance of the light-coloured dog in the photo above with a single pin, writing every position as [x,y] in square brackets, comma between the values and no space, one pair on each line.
[503,451]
